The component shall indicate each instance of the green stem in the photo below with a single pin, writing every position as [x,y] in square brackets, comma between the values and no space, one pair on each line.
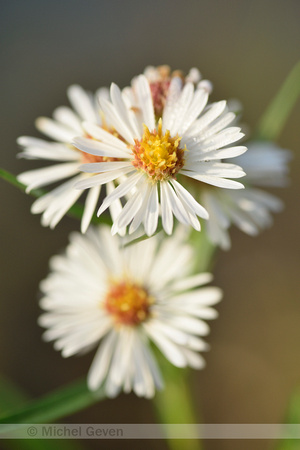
[277,113]
[174,404]
[76,211]
[53,406]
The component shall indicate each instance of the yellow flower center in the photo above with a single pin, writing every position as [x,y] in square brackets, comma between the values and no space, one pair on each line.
[158,154]
[128,302]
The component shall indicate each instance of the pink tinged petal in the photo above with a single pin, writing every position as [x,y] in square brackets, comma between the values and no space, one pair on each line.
[182,106]
[67,117]
[120,191]
[102,178]
[170,109]
[116,121]
[98,148]
[107,138]
[197,105]
[89,207]
[166,210]
[186,197]
[101,362]
[47,175]
[145,101]
[54,130]
[152,210]
[170,350]
[82,103]
[123,110]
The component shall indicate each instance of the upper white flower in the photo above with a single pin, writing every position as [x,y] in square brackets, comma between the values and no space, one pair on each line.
[65,125]
[121,299]
[190,139]
[250,209]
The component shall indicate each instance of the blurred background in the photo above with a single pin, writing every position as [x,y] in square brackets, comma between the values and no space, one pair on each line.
[246,48]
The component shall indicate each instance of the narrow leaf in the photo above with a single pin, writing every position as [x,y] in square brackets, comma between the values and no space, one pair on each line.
[75,211]
[53,406]
[276,115]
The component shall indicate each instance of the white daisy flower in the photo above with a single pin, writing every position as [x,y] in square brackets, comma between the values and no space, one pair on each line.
[121,300]
[65,125]
[251,209]
[190,139]
[159,79]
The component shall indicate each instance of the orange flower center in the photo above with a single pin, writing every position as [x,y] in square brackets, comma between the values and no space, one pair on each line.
[158,154]
[128,303]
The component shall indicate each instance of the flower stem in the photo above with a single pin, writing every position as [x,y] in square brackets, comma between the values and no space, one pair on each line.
[174,404]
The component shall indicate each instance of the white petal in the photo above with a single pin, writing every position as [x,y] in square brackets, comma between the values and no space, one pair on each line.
[185,196]
[89,208]
[82,103]
[166,210]
[102,178]
[145,101]
[102,135]
[120,191]
[101,362]
[151,218]
[54,130]
[104,166]
[67,117]
[98,148]
[47,175]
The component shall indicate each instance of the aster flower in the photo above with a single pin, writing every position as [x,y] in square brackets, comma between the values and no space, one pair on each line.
[159,79]
[122,299]
[250,209]
[65,125]
[190,139]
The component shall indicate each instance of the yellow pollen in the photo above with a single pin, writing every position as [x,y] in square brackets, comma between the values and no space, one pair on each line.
[128,302]
[158,154]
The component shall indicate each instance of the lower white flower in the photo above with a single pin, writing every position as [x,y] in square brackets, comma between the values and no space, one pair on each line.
[250,209]
[121,299]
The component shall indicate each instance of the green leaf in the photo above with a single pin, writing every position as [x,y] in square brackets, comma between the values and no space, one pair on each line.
[276,115]
[12,396]
[53,406]
[75,211]
[292,417]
